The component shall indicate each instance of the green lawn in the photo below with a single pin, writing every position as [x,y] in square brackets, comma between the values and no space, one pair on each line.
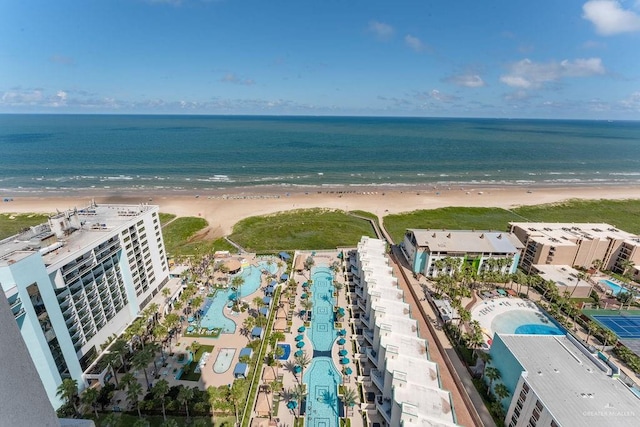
[620,213]
[188,374]
[11,224]
[165,218]
[180,238]
[125,420]
[458,218]
[300,229]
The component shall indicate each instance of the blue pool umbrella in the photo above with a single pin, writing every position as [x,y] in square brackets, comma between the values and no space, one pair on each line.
[299,353]
[341,341]
[300,344]
[348,371]
[190,328]
[342,332]
[301,329]
[304,296]
[305,284]
[297,369]
[299,338]
[344,361]
[341,310]
[190,319]
[292,404]
[342,352]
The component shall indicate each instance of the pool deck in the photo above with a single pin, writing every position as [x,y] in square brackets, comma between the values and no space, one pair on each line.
[286,416]
[487,310]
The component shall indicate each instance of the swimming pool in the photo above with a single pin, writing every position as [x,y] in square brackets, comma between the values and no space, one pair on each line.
[223,361]
[613,286]
[213,309]
[322,332]
[286,351]
[525,322]
[322,380]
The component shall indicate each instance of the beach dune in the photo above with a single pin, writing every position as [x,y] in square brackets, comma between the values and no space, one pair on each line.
[223,209]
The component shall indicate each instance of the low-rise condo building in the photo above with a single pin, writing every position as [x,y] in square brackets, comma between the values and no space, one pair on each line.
[78,279]
[568,280]
[578,245]
[553,380]
[408,384]
[427,250]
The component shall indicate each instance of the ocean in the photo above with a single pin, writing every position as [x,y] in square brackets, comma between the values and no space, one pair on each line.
[58,153]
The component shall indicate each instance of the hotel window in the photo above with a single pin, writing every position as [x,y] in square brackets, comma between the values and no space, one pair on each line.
[532,423]
[140,222]
[554,424]
[525,387]
[539,405]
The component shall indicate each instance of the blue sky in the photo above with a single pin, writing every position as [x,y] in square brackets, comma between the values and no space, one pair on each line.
[501,58]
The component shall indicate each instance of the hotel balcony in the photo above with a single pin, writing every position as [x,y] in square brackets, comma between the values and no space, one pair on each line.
[373,356]
[377,377]
[365,320]
[20,313]
[359,292]
[368,335]
[383,405]
[362,304]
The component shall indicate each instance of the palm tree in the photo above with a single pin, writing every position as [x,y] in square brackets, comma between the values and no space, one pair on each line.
[238,394]
[303,361]
[485,357]
[501,391]
[169,423]
[68,390]
[160,390]
[134,390]
[258,302]
[89,397]
[493,374]
[112,361]
[237,283]
[349,399]
[290,366]
[626,266]
[299,392]
[193,348]
[141,360]
[307,305]
[185,394]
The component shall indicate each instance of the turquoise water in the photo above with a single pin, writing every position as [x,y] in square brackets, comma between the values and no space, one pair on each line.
[223,361]
[214,316]
[57,152]
[525,322]
[614,286]
[322,332]
[322,377]
[322,380]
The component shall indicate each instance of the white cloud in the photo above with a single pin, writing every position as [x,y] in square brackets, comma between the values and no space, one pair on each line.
[526,74]
[467,80]
[437,95]
[17,97]
[414,43]
[592,44]
[234,79]
[631,103]
[381,30]
[610,17]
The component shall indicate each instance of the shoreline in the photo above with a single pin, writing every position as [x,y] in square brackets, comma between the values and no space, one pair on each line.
[224,208]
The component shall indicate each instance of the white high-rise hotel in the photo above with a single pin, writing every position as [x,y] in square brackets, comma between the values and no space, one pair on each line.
[78,279]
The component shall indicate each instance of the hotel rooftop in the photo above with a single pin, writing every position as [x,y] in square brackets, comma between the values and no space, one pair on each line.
[466,241]
[576,389]
[564,231]
[92,224]
[405,376]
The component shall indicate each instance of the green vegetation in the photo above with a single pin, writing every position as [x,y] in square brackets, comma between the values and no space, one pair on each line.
[188,374]
[126,420]
[365,214]
[165,218]
[620,213]
[303,229]
[11,224]
[458,218]
[181,238]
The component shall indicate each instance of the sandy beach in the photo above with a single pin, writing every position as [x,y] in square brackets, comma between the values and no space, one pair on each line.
[223,208]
